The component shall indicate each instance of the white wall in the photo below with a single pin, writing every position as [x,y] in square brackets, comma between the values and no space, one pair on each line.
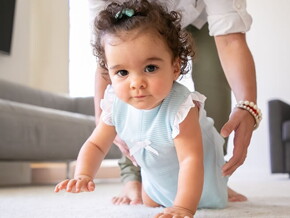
[269,41]
[39,56]
[16,65]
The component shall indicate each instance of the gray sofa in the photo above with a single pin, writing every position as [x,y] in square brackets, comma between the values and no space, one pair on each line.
[41,126]
[279,132]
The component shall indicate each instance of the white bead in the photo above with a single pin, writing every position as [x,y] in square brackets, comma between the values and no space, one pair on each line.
[253,109]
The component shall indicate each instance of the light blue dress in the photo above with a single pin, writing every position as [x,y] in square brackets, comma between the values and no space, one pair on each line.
[149,135]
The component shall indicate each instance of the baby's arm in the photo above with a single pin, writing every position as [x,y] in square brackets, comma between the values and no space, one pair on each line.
[89,159]
[190,155]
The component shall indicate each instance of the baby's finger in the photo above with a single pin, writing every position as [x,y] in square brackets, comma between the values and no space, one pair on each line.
[91,186]
[166,215]
[71,185]
[60,186]
[79,186]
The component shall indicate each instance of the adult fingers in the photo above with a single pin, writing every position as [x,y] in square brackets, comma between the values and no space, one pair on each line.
[235,161]
[242,137]
[229,127]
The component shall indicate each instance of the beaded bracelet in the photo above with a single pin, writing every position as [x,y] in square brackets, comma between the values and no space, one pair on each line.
[252,108]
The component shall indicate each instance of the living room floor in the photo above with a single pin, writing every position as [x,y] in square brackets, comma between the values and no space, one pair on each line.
[268,196]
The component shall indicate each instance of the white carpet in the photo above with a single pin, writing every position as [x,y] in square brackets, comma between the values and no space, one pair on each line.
[268,197]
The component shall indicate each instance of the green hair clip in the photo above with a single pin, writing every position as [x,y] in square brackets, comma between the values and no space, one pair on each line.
[126,11]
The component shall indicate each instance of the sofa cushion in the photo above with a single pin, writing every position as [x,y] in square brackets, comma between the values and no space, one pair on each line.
[32,133]
[23,94]
[286,131]
[85,105]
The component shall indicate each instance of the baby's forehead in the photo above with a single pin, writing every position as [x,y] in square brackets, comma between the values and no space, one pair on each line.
[128,35]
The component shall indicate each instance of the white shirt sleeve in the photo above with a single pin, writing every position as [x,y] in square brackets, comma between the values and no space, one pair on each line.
[95,7]
[227,16]
[223,16]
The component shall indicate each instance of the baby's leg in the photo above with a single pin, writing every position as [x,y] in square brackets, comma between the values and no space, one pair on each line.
[148,201]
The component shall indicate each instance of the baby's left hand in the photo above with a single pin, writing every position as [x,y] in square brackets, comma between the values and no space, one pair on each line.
[176,212]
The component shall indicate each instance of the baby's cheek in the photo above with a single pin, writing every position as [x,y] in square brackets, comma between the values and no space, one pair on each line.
[162,92]
[119,90]
[124,96]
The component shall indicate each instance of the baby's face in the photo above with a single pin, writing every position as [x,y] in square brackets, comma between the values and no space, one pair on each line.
[141,67]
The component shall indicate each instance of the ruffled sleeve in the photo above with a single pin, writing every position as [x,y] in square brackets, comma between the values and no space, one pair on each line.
[106,105]
[194,99]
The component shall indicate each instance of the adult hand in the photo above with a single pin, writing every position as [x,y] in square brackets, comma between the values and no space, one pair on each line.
[124,149]
[242,122]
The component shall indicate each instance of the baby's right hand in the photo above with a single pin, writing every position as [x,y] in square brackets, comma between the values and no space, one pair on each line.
[80,184]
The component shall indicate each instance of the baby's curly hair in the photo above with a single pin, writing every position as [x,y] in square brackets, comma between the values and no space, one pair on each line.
[146,14]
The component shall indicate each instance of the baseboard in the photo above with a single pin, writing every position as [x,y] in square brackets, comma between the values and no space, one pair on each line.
[47,173]
[52,173]
[14,173]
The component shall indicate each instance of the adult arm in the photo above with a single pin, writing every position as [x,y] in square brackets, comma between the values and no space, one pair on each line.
[228,21]
[238,65]
[100,86]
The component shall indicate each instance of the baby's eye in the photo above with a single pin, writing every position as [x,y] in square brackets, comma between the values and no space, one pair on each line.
[150,68]
[122,73]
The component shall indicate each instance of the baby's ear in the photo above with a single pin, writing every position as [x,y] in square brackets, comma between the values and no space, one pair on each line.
[176,67]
